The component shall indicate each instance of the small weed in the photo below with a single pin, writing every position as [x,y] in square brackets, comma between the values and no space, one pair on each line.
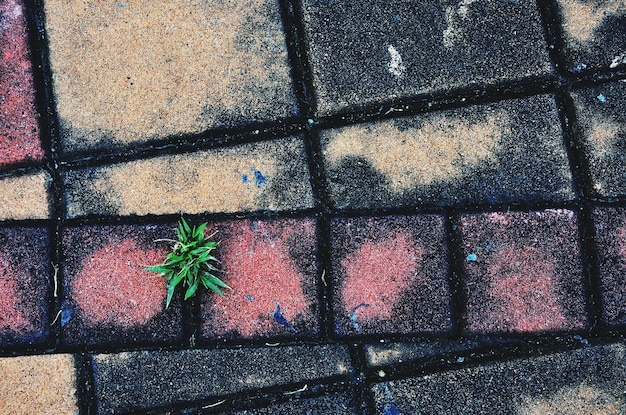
[190,262]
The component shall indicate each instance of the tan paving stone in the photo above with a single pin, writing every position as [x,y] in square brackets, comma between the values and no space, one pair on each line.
[25,197]
[38,385]
[131,71]
[267,175]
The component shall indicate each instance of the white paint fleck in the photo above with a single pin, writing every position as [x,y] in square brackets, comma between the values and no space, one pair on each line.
[454,22]
[396,67]
[618,60]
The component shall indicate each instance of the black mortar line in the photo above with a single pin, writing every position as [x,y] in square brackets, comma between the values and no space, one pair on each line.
[589,253]
[364,400]
[85,384]
[458,300]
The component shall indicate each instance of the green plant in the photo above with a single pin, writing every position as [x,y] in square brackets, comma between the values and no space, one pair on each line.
[190,262]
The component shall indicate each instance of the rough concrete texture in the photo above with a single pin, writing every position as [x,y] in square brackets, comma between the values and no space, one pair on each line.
[610,227]
[258,176]
[505,152]
[522,272]
[390,275]
[367,51]
[593,33]
[387,353]
[108,296]
[585,381]
[135,71]
[601,120]
[25,273]
[19,129]
[139,380]
[272,269]
[336,404]
[43,385]
[25,196]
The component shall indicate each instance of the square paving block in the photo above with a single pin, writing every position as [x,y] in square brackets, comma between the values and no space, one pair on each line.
[269,175]
[585,381]
[19,129]
[108,296]
[601,120]
[43,385]
[365,51]
[510,151]
[522,272]
[594,33]
[272,268]
[610,225]
[25,274]
[130,72]
[390,275]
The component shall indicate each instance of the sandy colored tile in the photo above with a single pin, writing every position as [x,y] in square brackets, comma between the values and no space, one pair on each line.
[511,151]
[25,196]
[131,71]
[19,130]
[43,385]
[267,175]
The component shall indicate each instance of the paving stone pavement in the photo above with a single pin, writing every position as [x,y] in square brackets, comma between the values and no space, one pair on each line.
[421,206]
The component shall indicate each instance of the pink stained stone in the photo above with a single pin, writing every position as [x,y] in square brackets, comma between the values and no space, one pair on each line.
[12,316]
[525,291]
[112,288]
[377,275]
[19,136]
[258,267]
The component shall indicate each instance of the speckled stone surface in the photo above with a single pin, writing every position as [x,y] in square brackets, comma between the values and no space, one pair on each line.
[25,196]
[363,52]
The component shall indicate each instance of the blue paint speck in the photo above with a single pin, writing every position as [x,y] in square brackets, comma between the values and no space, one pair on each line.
[580,67]
[472,258]
[601,98]
[488,247]
[244,178]
[280,318]
[121,5]
[66,314]
[460,359]
[249,297]
[356,326]
[259,178]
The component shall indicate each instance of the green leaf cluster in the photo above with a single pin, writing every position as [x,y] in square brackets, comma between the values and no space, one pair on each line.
[191,262]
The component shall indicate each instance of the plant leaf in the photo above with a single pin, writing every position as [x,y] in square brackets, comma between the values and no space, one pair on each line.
[192,289]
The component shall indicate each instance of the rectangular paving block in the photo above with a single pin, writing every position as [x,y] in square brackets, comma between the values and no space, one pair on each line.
[271,175]
[25,196]
[272,269]
[25,276]
[505,152]
[593,34]
[44,385]
[601,121]
[610,227]
[108,296]
[585,381]
[19,129]
[522,272]
[133,381]
[390,275]
[363,52]
[130,72]
[335,404]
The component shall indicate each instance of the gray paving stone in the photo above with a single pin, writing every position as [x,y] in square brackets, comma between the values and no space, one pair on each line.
[593,33]
[139,380]
[586,381]
[601,119]
[365,51]
[335,404]
[383,354]
[505,152]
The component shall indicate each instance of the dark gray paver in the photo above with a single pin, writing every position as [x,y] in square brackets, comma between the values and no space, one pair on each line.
[335,404]
[601,120]
[522,272]
[593,33]
[25,282]
[108,296]
[392,353]
[390,275]
[610,226]
[510,151]
[585,381]
[139,380]
[363,52]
